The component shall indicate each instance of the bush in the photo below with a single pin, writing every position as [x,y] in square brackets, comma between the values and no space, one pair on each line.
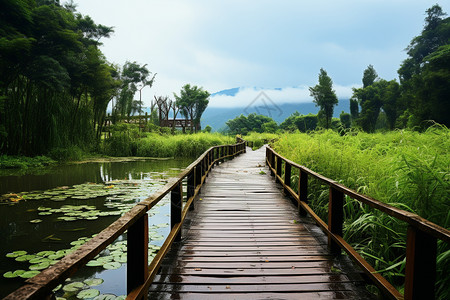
[66,154]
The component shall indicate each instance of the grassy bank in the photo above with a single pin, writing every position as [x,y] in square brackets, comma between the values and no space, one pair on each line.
[409,170]
[24,162]
[157,145]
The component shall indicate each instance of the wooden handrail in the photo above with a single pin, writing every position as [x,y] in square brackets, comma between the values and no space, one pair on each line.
[422,234]
[139,273]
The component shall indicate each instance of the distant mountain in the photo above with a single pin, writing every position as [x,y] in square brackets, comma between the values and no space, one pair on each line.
[229,92]
[216,117]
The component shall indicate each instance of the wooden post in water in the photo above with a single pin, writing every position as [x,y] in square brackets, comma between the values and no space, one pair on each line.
[420,273]
[303,190]
[335,218]
[137,253]
[176,201]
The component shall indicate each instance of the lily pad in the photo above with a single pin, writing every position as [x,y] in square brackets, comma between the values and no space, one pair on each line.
[16,253]
[86,294]
[44,213]
[29,274]
[14,274]
[38,260]
[112,265]
[94,263]
[73,287]
[121,259]
[93,281]
[40,266]
[9,274]
[25,257]
[45,253]
[57,288]
[106,297]
[56,256]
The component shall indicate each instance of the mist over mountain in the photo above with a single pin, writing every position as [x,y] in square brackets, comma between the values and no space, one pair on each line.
[216,117]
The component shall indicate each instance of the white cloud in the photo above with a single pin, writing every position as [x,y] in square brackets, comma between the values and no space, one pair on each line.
[224,44]
[299,94]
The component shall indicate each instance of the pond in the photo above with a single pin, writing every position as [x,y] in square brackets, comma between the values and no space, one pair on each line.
[54,211]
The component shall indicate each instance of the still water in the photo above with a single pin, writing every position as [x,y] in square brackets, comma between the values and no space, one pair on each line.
[58,208]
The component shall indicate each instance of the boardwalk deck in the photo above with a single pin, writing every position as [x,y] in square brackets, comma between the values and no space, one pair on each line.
[245,240]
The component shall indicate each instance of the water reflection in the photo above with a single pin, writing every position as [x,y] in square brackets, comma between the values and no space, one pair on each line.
[17,233]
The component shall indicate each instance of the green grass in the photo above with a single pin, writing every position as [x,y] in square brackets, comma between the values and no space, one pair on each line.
[24,162]
[162,145]
[409,170]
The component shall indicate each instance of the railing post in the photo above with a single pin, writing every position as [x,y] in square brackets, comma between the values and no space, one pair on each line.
[272,162]
[176,201]
[303,191]
[191,187]
[420,273]
[287,177]
[137,253]
[335,218]
[278,169]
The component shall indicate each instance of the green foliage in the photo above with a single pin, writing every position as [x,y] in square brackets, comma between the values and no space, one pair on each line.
[55,83]
[253,122]
[134,78]
[66,154]
[208,129]
[23,162]
[324,97]
[300,122]
[192,103]
[346,119]
[406,169]
[260,139]
[425,75]
[154,144]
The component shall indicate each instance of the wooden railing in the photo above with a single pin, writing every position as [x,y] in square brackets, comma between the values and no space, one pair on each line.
[139,273]
[422,235]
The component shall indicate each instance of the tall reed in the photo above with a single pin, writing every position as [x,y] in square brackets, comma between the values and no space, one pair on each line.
[409,170]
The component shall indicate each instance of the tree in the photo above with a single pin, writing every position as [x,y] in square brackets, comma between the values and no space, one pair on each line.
[369,76]
[370,99]
[424,74]
[324,96]
[192,103]
[391,105]
[354,109]
[253,122]
[346,119]
[134,78]
[54,81]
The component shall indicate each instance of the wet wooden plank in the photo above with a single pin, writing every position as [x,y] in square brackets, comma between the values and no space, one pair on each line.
[259,296]
[189,279]
[255,265]
[254,288]
[246,241]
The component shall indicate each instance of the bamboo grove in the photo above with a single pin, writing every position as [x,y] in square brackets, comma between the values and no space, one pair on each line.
[55,83]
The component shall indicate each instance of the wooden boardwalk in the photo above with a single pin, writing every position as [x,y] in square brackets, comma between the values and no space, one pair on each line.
[245,240]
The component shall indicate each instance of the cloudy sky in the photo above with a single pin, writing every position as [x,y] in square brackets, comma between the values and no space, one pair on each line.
[267,44]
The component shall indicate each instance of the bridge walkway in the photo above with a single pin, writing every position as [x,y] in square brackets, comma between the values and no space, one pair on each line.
[245,240]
